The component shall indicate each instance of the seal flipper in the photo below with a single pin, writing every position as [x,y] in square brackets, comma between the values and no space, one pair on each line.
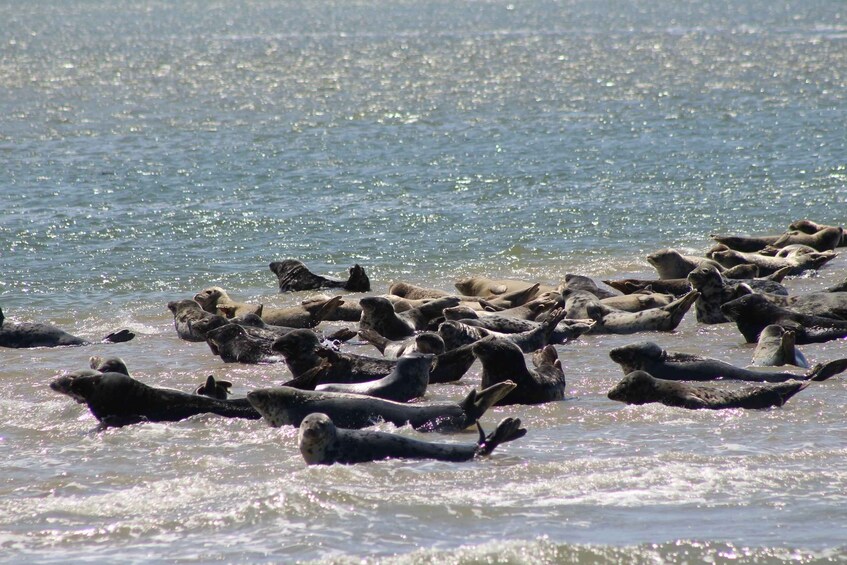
[375,339]
[342,335]
[476,403]
[822,372]
[507,430]
[119,336]
[308,380]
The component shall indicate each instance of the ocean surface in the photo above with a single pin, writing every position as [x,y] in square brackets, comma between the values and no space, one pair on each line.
[149,149]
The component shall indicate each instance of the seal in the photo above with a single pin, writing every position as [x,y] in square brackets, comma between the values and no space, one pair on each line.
[456,333]
[675,287]
[754,312]
[566,330]
[117,400]
[426,342]
[286,406]
[796,263]
[714,291]
[187,314]
[825,304]
[503,361]
[533,309]
[34,334]
[406,381]
[234,344]
[640,387]
[810,227]
[322,443]
[332,309]
[293,276]
[378,315]
[671,264]
[488,288]
[581,282]
[776,348]
[306,315]
[303,352]
[638,301]
[840,287]
[215,300]
[413,292]
[108,365]
[648,356]
[664,319]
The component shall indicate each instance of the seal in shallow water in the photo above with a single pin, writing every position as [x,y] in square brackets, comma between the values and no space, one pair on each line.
[187,313]
[640,387]
[648,356]
[28,334]
[117,400]
[406,381]
[322,443]
[283,406]
[753,313]
[378,315]
[776,347]
[503,361]
[293,275]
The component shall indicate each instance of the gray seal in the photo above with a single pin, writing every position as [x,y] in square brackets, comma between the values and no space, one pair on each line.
[648,356]
[378,315]
[503,361]
[293,275]
[456,333]
[810,227]
[424,342]
[797,263]
[286,406]
[609,321]
[671,264]
[406,381]
[34,334]
[753,313]
[214,388]
[118,400]
[187,313]
[777,347]
[322,443]
[640,387]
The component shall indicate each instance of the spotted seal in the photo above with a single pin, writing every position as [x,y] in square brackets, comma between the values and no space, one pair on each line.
[378,315]
[776,347]
[456,333]
[216,300]
[117,400]
[640,387]
[648,356]
[286,406]
[810,227]
[566,330]
[503,361]
[187,313]
[36,334]
[671,264]
[754,312]
[797,263]
[425,342]
[322,443]
[714,291]
[608,321]
[484,287]
[407,380]
[293,275]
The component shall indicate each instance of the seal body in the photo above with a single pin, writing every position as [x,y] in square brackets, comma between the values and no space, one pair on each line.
[406,381]
[116,399]
[671,264]
[640,387]
[293,275]
[754,312]
[503,361]
[649,357]
[609,321]
[282,406]
[186,315]
[322,443]
[29,334]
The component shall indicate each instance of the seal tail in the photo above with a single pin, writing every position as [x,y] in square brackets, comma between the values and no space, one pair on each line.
[507,430]
[476,403]
[375,339]
[119,336]
[822,372]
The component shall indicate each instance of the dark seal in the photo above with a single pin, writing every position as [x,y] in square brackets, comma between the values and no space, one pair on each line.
[503,361]
[753,313]
[293,275]
[34,334]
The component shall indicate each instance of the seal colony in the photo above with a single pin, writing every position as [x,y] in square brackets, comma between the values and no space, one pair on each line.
[428,336]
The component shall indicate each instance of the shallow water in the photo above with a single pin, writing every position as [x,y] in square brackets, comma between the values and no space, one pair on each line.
[150,150]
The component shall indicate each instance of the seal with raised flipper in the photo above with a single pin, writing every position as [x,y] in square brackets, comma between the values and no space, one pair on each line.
[424,342]
[117,400]
[796,263]
[608,321]
[457,333]
[286,406]
[322,443]
[36,334]
[650,357]
[640,387]
[777,347]
[503,361]
[293,275]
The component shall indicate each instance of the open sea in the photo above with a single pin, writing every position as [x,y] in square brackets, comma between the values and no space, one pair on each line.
[152,148]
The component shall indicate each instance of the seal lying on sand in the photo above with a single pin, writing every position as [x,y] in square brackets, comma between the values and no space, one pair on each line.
[28,334]
[754,312]
[503,361]
[484,287]
[406,381]
[640,387]
[609,321]
[826,239]
[776,347]
[671,264]
[322,443]
[797,263]
[215,300]
[293,275]
[810,227]
[117,400]
[283,406]
[648,356]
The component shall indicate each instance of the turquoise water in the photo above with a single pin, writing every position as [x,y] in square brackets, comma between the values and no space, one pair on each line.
[151,149]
